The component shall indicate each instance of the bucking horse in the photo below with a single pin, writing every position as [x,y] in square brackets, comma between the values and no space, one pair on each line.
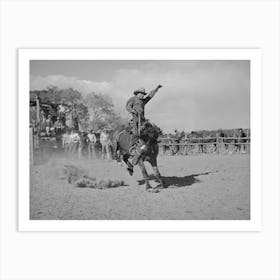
[149,136]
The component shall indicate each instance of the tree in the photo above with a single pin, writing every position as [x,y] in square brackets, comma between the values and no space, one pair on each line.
[54,95]
[70,96]
[101,111]
[51,97]
[94,111]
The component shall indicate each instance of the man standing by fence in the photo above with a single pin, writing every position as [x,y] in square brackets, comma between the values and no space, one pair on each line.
[91,144]
[66,142]
[58,129]
[74,143]
[83,145]
[105,142]
[239,142]
[49,124]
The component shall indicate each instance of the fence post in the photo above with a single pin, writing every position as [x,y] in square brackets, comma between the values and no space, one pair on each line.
[38,109]
[31,145]
[38,123]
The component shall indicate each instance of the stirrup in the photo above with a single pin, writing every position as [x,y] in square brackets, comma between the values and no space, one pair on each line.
[132,150]
[137,155]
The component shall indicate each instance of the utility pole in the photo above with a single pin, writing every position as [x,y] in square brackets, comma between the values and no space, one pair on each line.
[31,145]
[38,108]
[38,123]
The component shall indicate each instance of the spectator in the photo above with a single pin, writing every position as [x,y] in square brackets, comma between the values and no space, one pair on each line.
[58,126]
[185,147]
[49,125]
[219,141]
[172,141]
[75,121]
[66,142]
[61,113]
[239,143]
[74,142]
[105,142]
[91,144]
[83,144]
[35,134]
[58,129]
[176,134]
[43,120]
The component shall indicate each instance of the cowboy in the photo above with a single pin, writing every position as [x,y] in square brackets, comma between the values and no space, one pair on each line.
[136,107]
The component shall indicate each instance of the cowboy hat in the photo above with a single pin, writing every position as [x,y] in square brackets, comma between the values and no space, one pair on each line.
[140,90]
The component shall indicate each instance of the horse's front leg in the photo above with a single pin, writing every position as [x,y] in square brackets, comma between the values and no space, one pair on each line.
[162,184]
[144,174]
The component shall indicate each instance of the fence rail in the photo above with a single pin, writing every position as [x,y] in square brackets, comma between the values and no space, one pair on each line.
[205,145]
[210,143]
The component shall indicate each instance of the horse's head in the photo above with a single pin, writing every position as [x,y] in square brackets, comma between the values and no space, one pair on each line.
[150,131]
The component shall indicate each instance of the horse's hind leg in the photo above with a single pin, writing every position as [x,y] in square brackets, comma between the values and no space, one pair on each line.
[129,165]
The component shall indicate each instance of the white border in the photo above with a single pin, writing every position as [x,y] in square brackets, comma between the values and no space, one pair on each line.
[254,55]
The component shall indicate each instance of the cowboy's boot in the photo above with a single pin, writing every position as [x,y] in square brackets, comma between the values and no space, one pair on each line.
[138,152]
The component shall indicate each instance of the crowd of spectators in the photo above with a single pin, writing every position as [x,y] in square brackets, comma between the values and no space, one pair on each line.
[87,144]
[69,137]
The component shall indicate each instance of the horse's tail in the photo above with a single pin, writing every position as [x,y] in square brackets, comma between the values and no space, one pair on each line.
[116,146]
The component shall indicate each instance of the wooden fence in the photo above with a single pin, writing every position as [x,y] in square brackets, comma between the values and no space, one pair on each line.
[187,146]
[218,145]
[33,143]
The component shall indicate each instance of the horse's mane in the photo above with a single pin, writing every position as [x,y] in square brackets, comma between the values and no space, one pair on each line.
[150,129]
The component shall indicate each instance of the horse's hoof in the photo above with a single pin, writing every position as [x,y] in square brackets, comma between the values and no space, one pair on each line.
[130,171]
[153,190]
[163,185]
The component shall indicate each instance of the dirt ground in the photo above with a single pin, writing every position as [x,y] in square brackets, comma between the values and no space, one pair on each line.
[200,187]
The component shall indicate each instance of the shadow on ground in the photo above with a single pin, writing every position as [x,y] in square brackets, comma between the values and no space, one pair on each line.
[175,181]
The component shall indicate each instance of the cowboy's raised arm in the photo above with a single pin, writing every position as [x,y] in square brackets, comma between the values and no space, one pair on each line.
[152,93]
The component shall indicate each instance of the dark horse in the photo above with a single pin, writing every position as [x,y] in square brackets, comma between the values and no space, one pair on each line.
[149,135]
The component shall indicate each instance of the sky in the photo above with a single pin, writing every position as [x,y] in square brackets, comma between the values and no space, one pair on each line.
[196,94]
